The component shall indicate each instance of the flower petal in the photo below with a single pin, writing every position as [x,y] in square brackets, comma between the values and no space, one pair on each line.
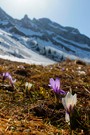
[64,103]
[57,82]
[68,100]
[52,84]
[29,86]
[62,92]
[26,84]
[67,118]
[74,100]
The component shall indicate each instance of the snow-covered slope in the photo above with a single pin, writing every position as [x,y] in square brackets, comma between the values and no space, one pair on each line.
[41,38]
[13,50]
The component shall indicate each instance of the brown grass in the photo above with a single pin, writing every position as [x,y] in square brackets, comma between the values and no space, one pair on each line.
[35,112]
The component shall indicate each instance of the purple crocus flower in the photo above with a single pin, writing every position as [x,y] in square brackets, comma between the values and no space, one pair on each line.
[55,86]
[8,76]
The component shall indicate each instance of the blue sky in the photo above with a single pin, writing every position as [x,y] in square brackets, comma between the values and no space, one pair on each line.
[73,13]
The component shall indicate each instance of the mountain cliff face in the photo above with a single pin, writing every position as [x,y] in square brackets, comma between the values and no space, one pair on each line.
[46,37]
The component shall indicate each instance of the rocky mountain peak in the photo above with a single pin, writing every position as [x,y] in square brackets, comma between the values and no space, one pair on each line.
[26,21]
[26,17]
